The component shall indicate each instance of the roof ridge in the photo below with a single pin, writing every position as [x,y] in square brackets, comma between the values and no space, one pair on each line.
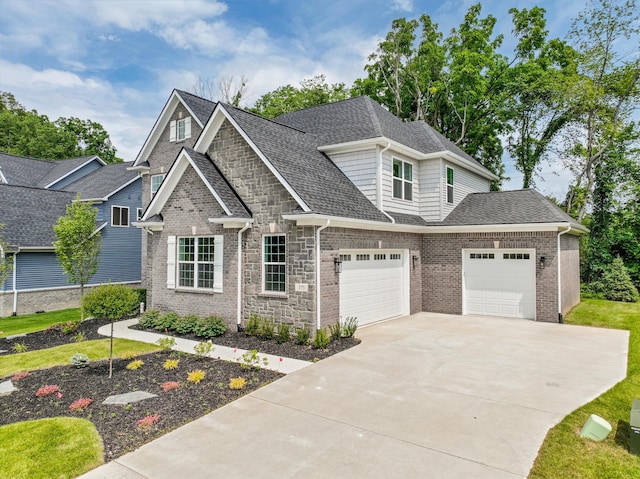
[29,157]
[373,115]
[9,185]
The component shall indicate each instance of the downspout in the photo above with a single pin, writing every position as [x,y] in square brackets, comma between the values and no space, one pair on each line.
[245,228]
[560,319]
[318,273]
[15,283]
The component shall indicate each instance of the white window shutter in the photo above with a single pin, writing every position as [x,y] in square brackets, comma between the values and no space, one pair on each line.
[217,262]
[171,262]
[172,130]
[187,127]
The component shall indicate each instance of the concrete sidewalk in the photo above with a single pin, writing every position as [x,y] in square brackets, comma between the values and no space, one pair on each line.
[274,363]
[430,396]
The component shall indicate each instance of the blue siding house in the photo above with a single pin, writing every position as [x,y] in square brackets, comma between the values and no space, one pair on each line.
[33,195]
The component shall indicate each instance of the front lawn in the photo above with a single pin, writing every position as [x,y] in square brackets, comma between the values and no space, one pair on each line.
[35,322]
[564,454]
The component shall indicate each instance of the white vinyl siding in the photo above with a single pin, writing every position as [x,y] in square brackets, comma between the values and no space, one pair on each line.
[465,182]
[428,197]
[360,168]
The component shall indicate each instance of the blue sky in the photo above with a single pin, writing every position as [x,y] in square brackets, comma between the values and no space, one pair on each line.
[116,62]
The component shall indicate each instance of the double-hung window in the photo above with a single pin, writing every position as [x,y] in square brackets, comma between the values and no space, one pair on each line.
[402,180]
[120,216]
[274,265]
[198,261]
[156,181]
[449,185]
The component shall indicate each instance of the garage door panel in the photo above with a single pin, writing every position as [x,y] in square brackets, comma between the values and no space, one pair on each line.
[501,285]
[372,288]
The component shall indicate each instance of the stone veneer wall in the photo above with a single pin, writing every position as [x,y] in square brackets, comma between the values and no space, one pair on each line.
[442,268]
[569,271]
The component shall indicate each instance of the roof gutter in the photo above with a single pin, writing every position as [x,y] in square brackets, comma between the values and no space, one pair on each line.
[560,318]
[318,317]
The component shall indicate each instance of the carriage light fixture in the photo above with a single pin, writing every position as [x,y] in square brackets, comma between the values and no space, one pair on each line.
[337,265]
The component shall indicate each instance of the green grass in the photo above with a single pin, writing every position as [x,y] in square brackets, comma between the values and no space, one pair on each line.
[61,355]
[49,448]
[36,322]
[566,455]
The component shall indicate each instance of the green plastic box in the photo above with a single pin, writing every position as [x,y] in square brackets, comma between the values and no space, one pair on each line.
[595,428]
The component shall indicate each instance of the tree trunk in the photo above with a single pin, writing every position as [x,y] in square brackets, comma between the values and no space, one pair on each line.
[111,351]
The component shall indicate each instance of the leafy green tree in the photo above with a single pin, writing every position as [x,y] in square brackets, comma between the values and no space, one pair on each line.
[606,95]
[615,284]
[312,91]
[110,301]
[6,264]
[78,244]
[27,133]
[539,82]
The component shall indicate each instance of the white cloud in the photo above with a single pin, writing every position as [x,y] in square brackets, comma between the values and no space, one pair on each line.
[403,5]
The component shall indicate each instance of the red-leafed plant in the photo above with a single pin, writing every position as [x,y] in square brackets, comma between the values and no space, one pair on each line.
[80,405]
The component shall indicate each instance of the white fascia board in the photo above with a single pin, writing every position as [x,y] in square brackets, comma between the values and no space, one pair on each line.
[171,181]
[211,129]
[99,228]
[58,180]
[151,225]
[337,222]
[231,222]
[523,227]
[407,151]
[160,125]
[35,249]
[93,201]
[143,170]
[3,179]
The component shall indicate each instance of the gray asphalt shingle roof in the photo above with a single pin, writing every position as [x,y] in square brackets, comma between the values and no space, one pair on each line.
[506,207]
[219,184]
[313,176]
[25,171]
[62,168]
[28,214]
[200,107]
[103,181]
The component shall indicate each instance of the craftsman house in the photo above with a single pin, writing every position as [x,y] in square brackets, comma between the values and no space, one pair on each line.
[33,195]
[339,210]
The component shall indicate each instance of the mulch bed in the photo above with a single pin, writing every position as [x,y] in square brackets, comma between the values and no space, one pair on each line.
[116,424]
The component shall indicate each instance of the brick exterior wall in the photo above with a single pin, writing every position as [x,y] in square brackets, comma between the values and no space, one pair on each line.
[334,239]
[442,268]
[569,271]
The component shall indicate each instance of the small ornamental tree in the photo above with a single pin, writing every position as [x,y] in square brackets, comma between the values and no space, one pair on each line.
[78,244]
[110,301]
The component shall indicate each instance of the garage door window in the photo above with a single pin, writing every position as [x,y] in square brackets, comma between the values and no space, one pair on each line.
[515,256]
[481,256]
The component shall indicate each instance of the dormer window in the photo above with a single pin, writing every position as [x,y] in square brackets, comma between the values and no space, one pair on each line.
[180,130]
[449,185]
[402,180]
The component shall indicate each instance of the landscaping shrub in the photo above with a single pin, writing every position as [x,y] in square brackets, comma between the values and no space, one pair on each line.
[253,325]
[167,320]
[196,376]
[149,318]
[616,284]
[322,339]
[210,327]
[237,383]
[284,333]
[135,364]
[110,301]
[267,328]
[203,348]
[349,327]
[166,344]
[335,331]
[302,335]
[186,324]
[80,360]
[142,295]
[171,364]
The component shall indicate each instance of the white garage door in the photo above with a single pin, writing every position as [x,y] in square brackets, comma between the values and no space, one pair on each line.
[374,285]
[500,282]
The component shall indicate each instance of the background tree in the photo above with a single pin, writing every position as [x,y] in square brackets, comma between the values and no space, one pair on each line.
[27,133]
[6,264]
[312,91]
[226,89]
[78,244]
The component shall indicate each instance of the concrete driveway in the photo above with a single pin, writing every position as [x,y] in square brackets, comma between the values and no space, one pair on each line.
[429,395]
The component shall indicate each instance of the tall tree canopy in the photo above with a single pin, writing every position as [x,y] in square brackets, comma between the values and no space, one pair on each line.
[29,134]
[312,91]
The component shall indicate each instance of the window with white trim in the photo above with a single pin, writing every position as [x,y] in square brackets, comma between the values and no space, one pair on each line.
[449,185]
[199,264]
[120,216]
[156,181]
[402,180]
[138,213]
[274,264]
[180,130]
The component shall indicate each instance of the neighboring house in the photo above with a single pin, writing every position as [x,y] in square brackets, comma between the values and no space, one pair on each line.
[339,210]
[33,195]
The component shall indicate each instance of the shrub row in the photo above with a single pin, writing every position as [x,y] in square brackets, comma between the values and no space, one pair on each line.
[203,327]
